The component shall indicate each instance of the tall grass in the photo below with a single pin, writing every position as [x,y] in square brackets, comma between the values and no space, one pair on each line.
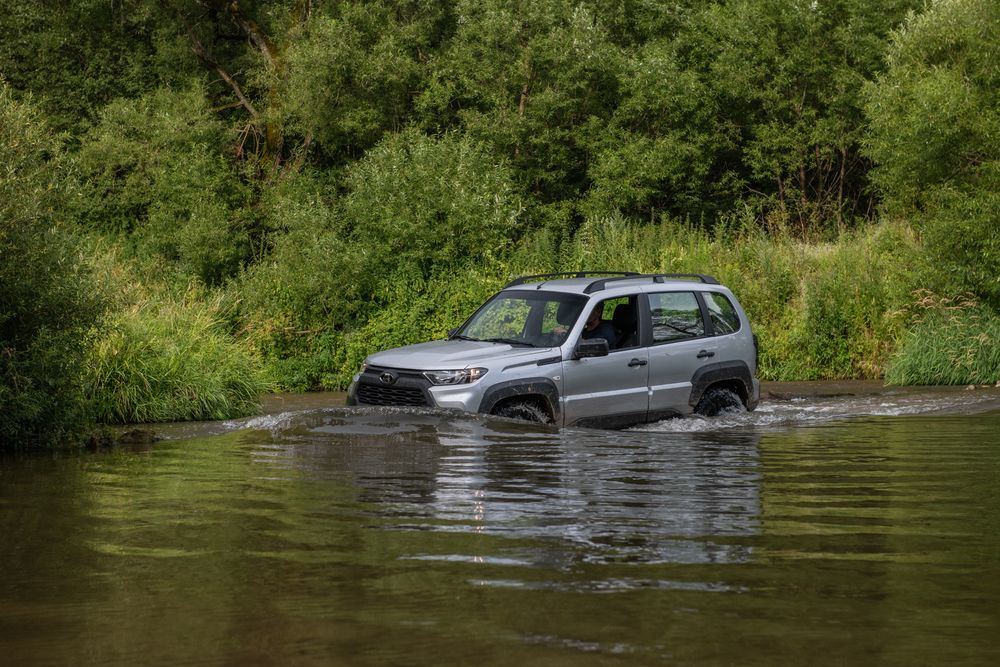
[953,341]
[164,359]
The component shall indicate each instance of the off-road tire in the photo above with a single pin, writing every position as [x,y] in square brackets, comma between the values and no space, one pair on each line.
[717,400]
[529,411]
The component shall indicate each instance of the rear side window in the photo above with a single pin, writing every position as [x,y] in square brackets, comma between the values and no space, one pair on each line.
[675,316]
[724,318]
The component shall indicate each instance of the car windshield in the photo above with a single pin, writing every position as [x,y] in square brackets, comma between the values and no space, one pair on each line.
[528,318]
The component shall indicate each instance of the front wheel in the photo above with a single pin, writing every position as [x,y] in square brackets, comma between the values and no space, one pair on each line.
[718,400]
[528,411]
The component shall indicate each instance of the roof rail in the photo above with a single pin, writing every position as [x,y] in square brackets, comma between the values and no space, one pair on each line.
[601,284]
[570,274]
[700,277]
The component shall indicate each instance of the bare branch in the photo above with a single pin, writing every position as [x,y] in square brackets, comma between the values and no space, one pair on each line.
[199,50]
[249,27]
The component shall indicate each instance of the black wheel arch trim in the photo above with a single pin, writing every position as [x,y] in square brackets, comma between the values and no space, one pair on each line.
[723,371]
[541,387]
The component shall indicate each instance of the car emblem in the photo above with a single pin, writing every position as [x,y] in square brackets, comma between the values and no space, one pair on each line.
[387,378]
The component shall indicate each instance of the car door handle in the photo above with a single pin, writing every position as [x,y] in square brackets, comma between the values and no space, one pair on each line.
[705,354]
[636,362]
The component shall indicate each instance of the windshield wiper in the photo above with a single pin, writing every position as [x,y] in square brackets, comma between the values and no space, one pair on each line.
[461,337]
[511,341]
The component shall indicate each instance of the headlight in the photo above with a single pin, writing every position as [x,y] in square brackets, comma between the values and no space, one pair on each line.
[463,376]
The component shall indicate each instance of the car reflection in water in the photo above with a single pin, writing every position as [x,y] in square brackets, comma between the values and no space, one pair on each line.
[579,496]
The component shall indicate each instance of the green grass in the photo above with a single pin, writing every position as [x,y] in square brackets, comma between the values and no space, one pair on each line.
[953,341]
[172,360]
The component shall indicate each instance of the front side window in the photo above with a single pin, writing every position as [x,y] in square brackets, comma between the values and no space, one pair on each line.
[724,318]
[534,319]
[675,316]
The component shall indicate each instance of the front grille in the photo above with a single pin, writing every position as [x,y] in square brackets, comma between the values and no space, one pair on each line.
[373,394]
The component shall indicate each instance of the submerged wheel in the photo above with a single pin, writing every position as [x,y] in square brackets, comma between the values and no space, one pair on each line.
[529,411]
[718,400]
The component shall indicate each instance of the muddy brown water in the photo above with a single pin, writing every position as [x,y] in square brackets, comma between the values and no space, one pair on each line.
[836,525]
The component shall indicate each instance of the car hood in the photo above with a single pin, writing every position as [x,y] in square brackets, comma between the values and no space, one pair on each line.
[453,354]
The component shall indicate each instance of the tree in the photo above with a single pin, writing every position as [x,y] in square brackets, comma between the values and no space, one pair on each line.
[535,81]
[47,301]
[153,173]
[749,100]
[353,71]
[414,206]
[305,78]
[75,57]
[935,136]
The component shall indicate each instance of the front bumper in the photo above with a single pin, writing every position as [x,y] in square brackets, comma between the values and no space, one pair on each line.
[382,386]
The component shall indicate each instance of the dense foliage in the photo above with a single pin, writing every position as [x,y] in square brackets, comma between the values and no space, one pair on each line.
[935,133]
[293,183]
[47,299]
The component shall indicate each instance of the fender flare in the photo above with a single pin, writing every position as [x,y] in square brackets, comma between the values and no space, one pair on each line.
[541,387]
[723,371]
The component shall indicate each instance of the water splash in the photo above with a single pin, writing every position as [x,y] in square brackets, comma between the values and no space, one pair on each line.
[808,410]
[774,411]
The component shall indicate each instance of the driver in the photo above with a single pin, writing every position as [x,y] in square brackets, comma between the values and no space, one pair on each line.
[597,327]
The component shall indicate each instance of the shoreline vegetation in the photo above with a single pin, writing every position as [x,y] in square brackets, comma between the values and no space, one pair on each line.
[189,221]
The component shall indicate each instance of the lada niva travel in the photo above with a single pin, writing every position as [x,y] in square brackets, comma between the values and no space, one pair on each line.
[587,348]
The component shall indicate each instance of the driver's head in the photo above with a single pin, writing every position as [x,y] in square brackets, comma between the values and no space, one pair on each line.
[595,316]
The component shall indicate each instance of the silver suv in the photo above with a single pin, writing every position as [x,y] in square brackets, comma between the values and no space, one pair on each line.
[595,349]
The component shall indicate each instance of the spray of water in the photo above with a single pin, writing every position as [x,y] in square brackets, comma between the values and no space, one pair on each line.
[773,412]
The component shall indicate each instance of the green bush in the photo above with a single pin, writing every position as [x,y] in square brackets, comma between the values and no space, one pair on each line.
[418,203]
[153,173]
[416,208]
[958,233]
[169,359]
[933,125]
[954,341]
[48,301]
[850,310]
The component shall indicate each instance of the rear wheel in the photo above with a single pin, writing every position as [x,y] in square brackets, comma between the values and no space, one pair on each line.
[718,400]
[525,410]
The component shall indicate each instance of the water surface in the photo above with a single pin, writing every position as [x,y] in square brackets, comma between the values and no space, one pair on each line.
[858,529]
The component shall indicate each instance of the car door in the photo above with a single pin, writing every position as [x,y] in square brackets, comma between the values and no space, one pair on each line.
[679,347]
[611,391]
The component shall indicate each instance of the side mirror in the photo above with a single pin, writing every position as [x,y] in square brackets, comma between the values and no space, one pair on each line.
[593,347]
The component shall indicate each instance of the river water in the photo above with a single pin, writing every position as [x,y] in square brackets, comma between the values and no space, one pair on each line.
[861,528]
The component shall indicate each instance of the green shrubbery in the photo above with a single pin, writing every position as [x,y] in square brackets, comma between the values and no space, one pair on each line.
[172,360]
[166,351]
[934,122]
[417,212]
[48,302]
[953,341]
[153,174]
